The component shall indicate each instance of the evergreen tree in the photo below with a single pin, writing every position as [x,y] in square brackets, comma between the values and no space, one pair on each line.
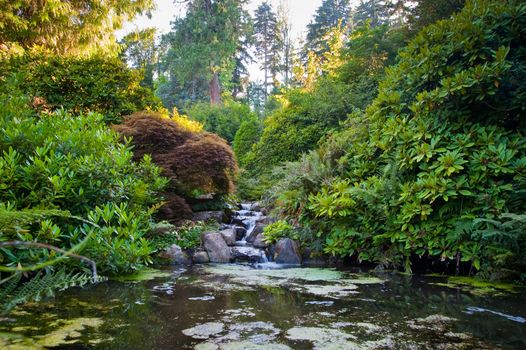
[328,16]
[376,12]
[267,44]
[205,42]
[65,27]
[287,47]
[140,52]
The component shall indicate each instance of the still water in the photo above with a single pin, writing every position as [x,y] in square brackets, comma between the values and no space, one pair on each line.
[243,307]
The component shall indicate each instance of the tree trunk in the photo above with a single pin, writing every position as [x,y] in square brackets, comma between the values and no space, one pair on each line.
[214,90]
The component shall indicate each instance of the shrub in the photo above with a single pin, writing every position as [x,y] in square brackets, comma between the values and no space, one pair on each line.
[277,230]
[196,163]
[74,165]
[80,85]
[440,150]
[246,137]
[223,120]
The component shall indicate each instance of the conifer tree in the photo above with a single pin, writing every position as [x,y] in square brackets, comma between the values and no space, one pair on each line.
[329,15]
[268,44]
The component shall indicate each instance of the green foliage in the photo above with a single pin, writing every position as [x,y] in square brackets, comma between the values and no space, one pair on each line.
[53,163]
[437,154]
[204,43]
[348,82]
[41,285]
[224,120]
[277,230]
[79,85]
[78,27]
[246,137]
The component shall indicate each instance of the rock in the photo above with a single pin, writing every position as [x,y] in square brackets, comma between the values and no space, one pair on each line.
[255,206]
[249,254]
[287,252]
[229,236]
[176,255]
[266,220]
[259,242]
[241,222]
[216,247]
[218,216]
[240,232]
[200,257]
[162,228]
[255,232]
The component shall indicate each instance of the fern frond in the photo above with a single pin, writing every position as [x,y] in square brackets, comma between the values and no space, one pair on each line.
[42,285]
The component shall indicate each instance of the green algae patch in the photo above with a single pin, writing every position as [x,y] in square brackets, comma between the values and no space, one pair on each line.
[146,274]
[480,287]
[13,341]
[69,332]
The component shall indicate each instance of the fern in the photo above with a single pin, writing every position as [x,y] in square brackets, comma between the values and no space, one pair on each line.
[42,285]
[12,220]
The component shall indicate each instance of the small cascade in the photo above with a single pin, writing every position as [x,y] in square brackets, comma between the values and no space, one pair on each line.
[246,219]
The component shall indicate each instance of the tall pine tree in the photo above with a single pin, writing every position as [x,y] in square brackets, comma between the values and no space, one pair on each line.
[268,44]
[205,43]
[328,16]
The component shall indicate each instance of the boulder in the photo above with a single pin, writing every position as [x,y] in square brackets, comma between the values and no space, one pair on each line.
[216,247]
[249,254]
[240,232]
[218,216]
[176,255]
[287,252]
[229,235]
[200,257]
[259,242]
[162,228]
[255,232]
[255,206]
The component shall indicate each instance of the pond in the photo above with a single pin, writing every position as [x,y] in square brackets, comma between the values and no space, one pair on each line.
[243,307]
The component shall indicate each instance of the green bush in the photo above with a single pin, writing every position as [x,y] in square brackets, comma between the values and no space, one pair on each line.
[246,137]
[277,230]
[440,151]
[74,165]
[348,82]
[80,85]
[223,120]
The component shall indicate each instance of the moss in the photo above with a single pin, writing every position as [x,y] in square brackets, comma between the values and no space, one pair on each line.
[479,287]
[69,332]
[145,274]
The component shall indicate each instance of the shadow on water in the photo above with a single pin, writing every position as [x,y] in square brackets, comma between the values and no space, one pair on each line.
[221,308]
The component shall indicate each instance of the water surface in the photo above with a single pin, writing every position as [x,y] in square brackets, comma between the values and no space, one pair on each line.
[240,307]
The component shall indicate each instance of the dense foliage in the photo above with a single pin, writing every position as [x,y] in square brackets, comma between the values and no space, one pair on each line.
[79,85]
[349,80]
[435,166]
[65,27]
[223,120]
[75,166]
[196,163]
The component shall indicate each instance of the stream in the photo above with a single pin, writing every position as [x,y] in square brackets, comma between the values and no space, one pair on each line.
[259,305]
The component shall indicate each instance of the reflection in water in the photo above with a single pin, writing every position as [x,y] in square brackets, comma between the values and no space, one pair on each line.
[218,309]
